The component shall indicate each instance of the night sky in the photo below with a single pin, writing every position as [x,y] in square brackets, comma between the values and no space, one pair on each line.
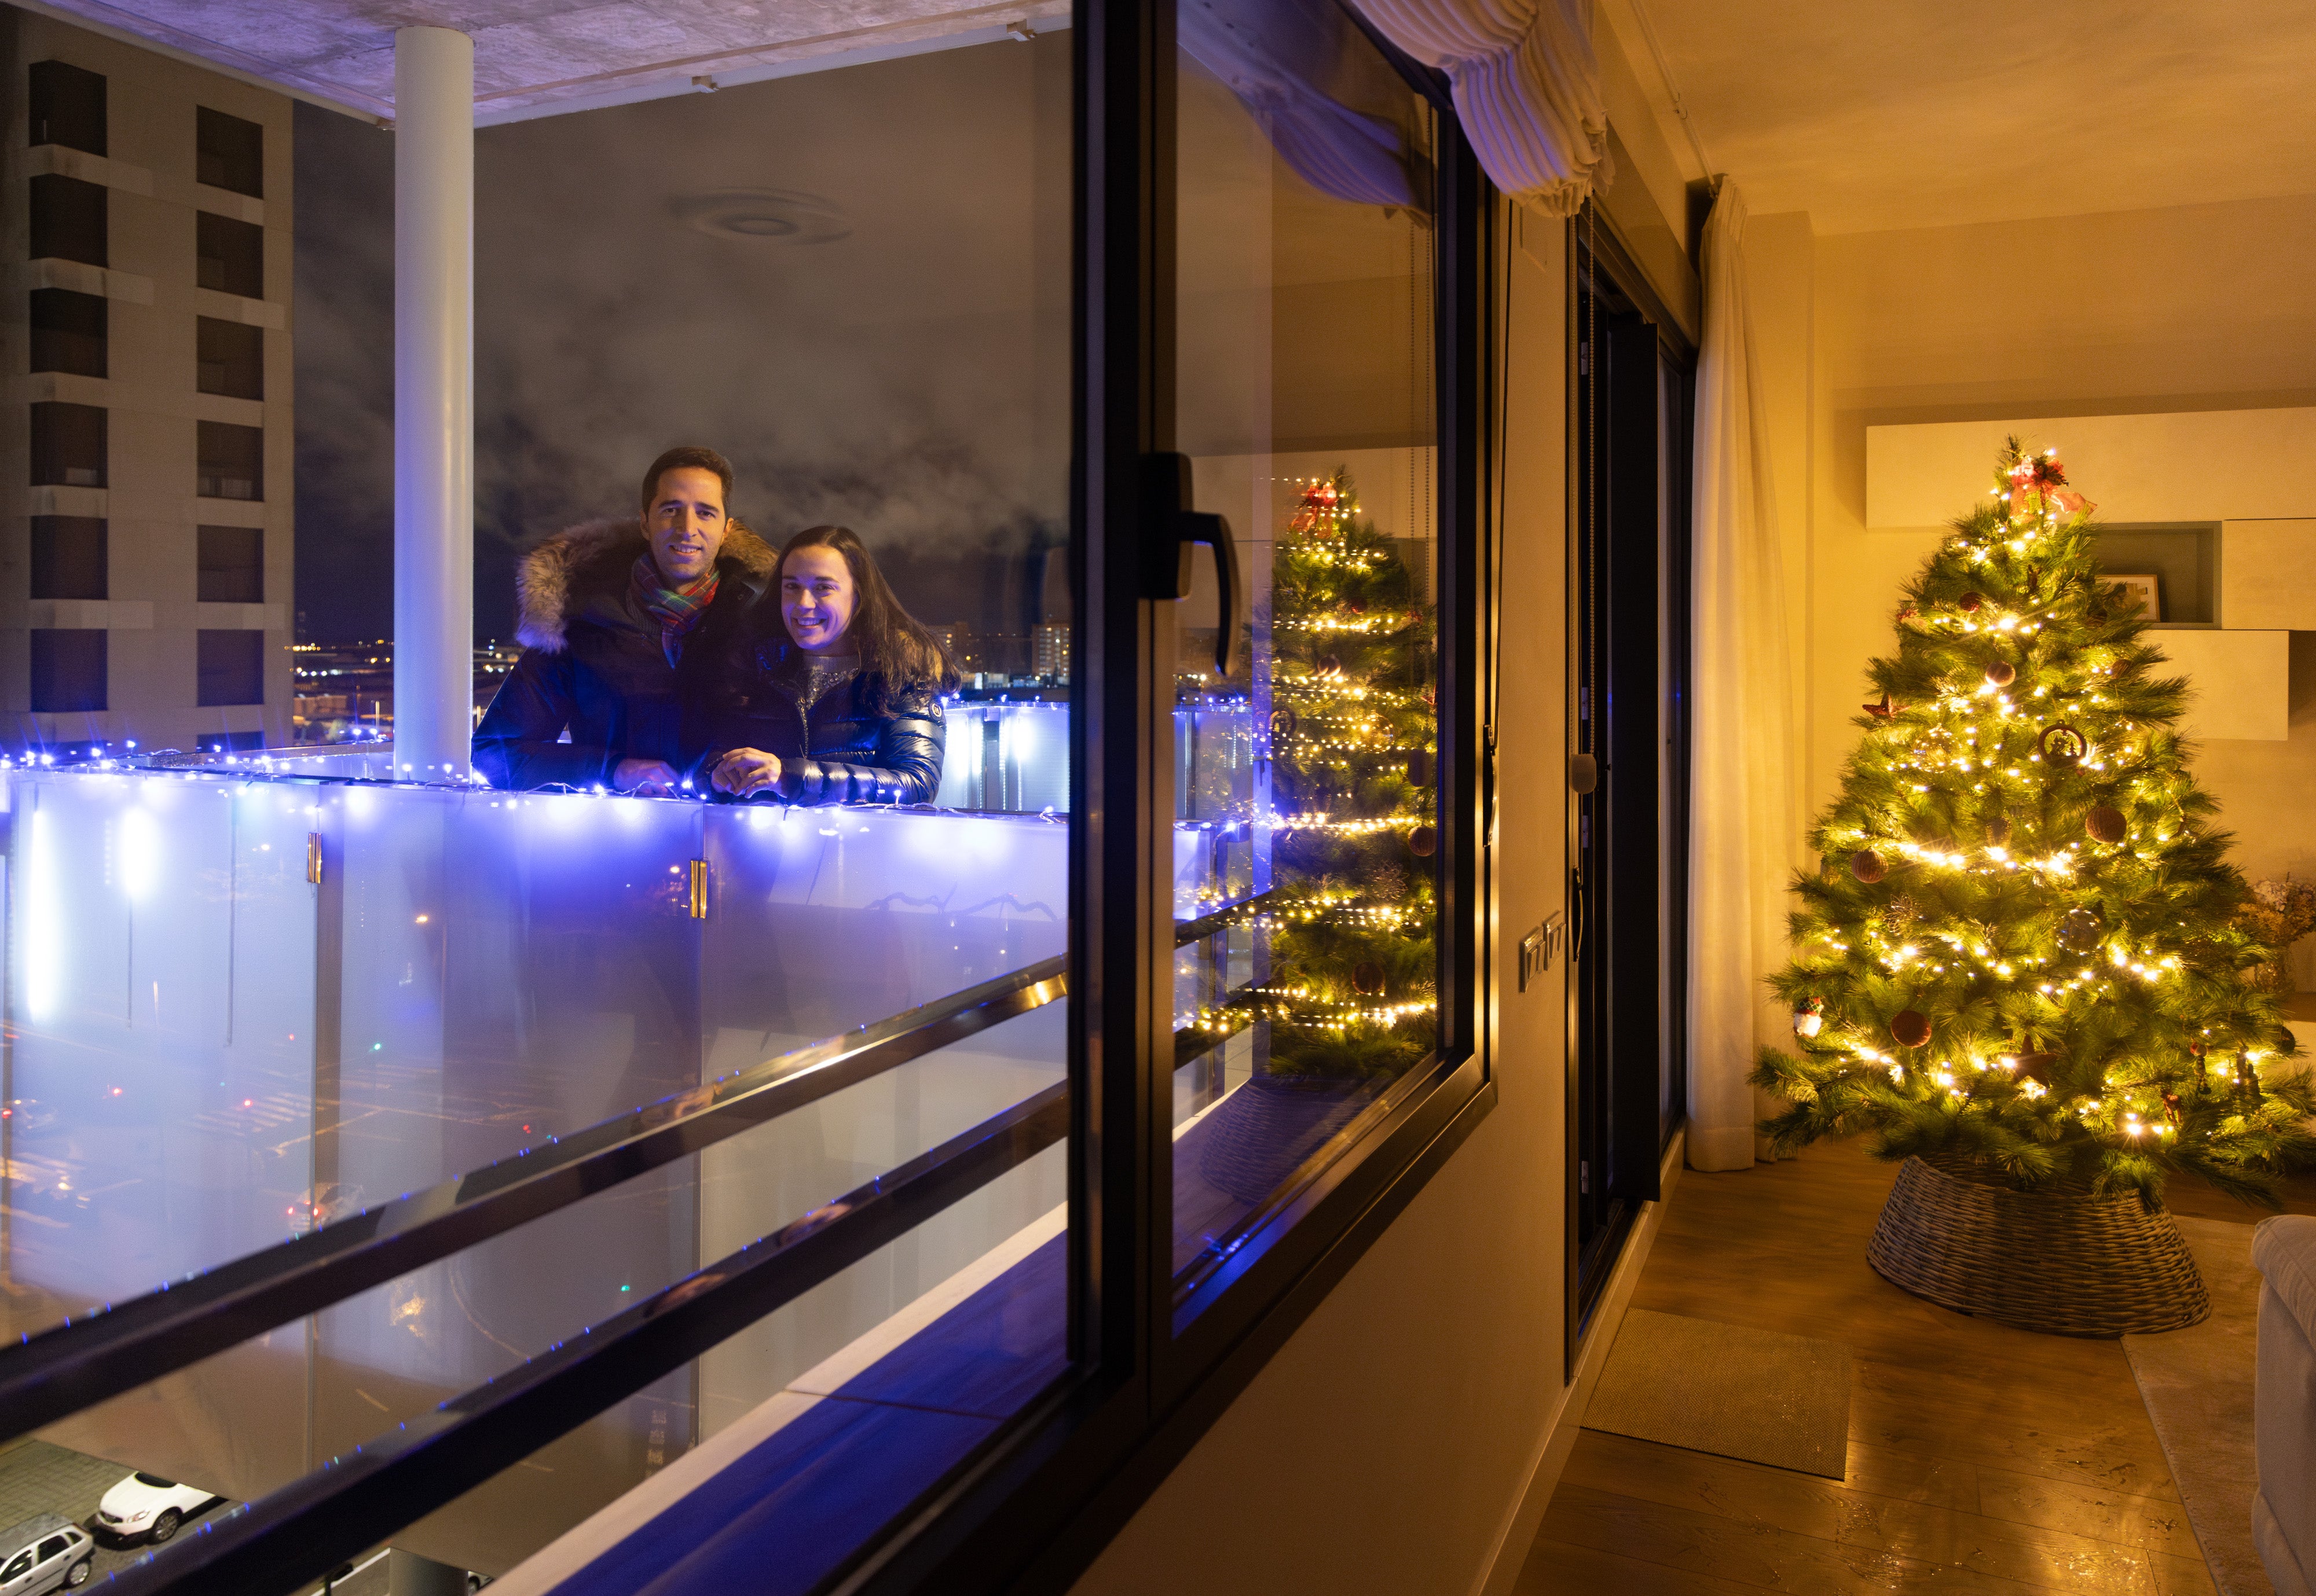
[854,283]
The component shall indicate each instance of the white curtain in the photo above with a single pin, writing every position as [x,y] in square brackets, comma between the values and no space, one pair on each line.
[1527,87]
[1744,834]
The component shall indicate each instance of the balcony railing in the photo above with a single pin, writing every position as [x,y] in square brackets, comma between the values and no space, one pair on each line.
[379,1137]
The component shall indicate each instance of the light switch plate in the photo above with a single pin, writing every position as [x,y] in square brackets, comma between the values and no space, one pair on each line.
[1540,947]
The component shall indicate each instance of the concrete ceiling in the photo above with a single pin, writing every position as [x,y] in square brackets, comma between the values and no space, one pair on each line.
[1907,113]
[534,57]
[1914,113]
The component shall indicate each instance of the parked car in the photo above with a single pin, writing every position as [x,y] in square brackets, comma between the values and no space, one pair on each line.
[146,1504]
[46,1552]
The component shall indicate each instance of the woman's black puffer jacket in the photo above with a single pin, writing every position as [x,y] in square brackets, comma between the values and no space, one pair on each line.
[816,713]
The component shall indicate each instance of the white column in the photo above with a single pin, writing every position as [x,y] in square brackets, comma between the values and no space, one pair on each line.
[433,402]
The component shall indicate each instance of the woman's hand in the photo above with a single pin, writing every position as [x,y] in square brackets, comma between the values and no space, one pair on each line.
[651,778]
[745,772]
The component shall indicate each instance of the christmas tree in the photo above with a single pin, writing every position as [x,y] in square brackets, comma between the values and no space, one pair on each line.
[1354,982]
[2025,957]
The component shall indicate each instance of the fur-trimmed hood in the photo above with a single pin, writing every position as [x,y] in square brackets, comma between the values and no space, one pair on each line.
[558,579]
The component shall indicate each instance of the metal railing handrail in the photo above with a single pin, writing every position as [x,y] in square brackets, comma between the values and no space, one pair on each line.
[431,1460]
[1228,918]
[76,1364]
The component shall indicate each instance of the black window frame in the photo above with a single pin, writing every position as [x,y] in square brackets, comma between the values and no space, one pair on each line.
[71,220]
[47,643]
[236,350]
[237,249]
[1627,1083]
[222,678]
[220,143]
[1033,1513]
[218,553]
[56,428]
[1031,1507]
[210,439]
[58,101]
[71,332]
[71,558]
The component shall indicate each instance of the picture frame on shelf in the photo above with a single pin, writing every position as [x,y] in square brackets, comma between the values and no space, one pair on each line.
[2144,593]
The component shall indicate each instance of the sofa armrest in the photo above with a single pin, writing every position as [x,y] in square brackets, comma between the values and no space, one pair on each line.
[2284,1249]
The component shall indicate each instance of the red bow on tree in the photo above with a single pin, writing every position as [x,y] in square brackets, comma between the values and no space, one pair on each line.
[1319,511]
[2043,474]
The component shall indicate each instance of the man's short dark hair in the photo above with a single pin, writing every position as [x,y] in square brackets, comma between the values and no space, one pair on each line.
[688,456]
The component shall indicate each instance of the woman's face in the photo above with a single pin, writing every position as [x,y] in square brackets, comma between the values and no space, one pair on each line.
[816,597]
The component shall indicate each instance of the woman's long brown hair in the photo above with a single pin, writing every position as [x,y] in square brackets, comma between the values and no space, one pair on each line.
[896,653]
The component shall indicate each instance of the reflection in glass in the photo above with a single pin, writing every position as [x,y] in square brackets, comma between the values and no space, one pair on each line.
[215,1053]
[247,1003]
[1304,398]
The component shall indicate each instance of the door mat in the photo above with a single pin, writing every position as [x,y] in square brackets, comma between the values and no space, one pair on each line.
[2198,1385]
[1755,1394]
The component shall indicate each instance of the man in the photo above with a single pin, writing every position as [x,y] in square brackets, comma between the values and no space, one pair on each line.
[617,618]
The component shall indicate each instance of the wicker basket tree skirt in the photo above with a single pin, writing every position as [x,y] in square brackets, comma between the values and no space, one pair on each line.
[2063,1264]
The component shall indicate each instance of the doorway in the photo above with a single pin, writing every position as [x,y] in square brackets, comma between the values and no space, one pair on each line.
[1629,875]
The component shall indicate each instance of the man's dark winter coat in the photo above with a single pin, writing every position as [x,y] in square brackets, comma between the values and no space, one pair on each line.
[593,664]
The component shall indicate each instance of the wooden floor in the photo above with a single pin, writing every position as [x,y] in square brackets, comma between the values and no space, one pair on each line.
[1981,1458]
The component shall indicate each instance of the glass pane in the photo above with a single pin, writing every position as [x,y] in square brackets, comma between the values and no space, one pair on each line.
[255,993]
[1305,786]
[161,1086]
[504,970]
[942,1332]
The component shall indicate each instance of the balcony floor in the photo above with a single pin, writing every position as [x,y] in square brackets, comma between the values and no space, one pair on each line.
[1983,1460]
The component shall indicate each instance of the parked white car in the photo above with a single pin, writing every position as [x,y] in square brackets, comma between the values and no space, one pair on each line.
[148,1505]
[47,1552]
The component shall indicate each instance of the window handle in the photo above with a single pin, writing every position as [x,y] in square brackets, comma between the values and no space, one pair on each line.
[1172,530]
[1197,527]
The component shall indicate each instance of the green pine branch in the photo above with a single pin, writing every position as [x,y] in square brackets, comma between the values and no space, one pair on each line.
[1353,990]
[2018,860]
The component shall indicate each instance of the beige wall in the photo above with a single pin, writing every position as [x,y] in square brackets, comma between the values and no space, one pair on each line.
[2200,307]
[1384,1448]
[1406,1439]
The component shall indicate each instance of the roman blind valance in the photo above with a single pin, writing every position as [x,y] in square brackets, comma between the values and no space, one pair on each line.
[1527,87]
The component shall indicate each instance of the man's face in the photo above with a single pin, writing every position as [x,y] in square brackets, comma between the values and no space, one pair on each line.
[685,524]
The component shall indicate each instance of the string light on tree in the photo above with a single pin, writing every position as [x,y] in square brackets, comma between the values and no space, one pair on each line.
[1352,737]
[2025,955]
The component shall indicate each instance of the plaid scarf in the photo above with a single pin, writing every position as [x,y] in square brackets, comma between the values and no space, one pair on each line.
[676,609]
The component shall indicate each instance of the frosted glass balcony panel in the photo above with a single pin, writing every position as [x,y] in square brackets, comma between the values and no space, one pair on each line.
[825,919]
[161,1073]
[215,1051]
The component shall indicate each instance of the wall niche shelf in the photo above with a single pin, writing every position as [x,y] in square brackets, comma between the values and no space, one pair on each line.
[2184,557]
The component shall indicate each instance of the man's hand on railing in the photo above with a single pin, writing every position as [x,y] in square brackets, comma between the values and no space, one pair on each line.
[646,778]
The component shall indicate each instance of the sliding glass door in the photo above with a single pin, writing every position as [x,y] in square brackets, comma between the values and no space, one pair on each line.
[854,1182]
[1304,415]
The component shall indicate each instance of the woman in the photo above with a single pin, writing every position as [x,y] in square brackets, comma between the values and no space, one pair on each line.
[835,694]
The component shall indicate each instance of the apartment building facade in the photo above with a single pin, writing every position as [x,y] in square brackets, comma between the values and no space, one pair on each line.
[145,541]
